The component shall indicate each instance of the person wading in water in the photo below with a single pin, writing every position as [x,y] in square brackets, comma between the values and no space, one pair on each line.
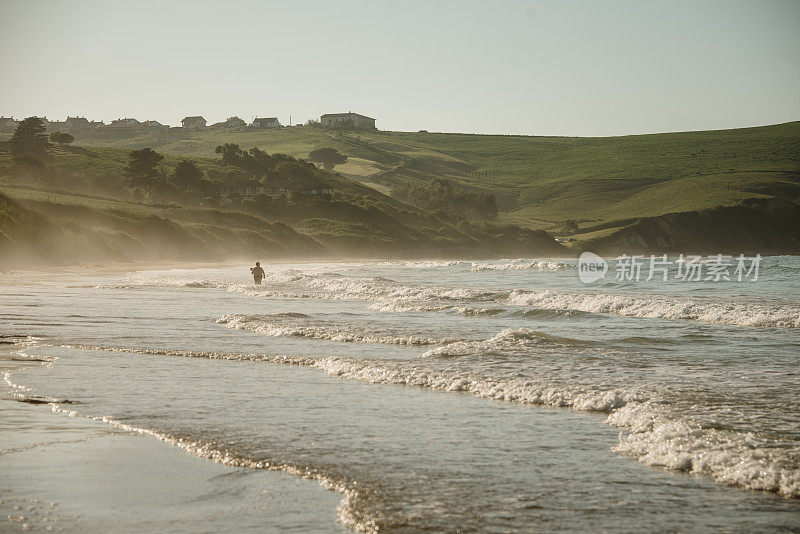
[258,273]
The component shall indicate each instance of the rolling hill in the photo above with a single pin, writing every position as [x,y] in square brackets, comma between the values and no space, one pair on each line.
[77,210]
[540,182]
[643,193]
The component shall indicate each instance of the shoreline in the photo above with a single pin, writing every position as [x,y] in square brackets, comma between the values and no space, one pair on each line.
[78,474]
[109,268]
[124,267]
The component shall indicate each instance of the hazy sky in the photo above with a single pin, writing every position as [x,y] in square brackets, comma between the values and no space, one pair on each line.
[527,67]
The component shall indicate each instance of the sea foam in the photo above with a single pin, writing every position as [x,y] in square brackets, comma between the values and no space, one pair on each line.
[523,265]
[271,325]
[388,296]
[662,307]
[658,438]
[650,431]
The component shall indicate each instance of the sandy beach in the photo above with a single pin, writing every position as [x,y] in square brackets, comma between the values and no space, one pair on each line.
[64,474]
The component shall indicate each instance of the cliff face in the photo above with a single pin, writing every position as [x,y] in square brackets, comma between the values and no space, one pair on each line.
[763,226]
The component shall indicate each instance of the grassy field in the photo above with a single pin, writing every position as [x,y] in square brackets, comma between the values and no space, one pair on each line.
[602,179]
[96,164]
[542,181]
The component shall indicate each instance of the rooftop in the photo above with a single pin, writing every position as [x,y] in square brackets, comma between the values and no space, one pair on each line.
[346,115]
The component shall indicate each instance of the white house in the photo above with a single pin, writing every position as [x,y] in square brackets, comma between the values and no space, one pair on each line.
[266,122]
[193,123]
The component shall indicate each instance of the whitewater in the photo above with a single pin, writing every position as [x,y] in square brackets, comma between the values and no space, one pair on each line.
[500,395]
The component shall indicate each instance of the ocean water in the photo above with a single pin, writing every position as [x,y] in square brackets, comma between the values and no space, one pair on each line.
[443,396]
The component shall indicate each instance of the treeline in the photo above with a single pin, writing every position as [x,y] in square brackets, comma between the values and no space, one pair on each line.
[441,194]
[146,176]
[257,164]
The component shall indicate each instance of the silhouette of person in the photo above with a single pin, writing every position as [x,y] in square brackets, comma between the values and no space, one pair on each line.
[258,273]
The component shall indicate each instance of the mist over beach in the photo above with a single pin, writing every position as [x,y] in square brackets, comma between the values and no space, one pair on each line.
[376,267]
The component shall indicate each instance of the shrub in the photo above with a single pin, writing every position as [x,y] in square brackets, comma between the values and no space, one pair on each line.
[249,204]
[443,196]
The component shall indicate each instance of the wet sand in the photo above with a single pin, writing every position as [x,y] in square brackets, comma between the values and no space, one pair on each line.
[67,474]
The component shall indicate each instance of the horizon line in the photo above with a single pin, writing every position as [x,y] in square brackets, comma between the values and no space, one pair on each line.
[423,130]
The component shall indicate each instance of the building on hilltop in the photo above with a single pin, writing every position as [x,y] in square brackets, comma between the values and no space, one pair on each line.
[153,124]
[55,126]
[126,123]
[266,122]
[231,123]
[348,120]
[76,123]
[193,123]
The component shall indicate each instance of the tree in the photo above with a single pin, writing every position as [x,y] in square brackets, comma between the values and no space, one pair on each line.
[187,175]
[142,167]
[235,122]
[231,153]
[570,226]
[328,157]
[440,194]
[29,144]
[62,138]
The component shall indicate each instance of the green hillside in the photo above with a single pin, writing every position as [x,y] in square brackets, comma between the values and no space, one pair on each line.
[78,208]
[542,181]
[604,179]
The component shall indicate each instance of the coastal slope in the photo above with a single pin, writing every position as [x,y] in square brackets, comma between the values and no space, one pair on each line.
[539,181]
[756,226]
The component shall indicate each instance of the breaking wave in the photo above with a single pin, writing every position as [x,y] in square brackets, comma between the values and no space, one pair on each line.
[657,438]
[388,296]
[519,341]
[649,430]
[657,307]
[267,325]
[523,264]
[479,312]
[430,264]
